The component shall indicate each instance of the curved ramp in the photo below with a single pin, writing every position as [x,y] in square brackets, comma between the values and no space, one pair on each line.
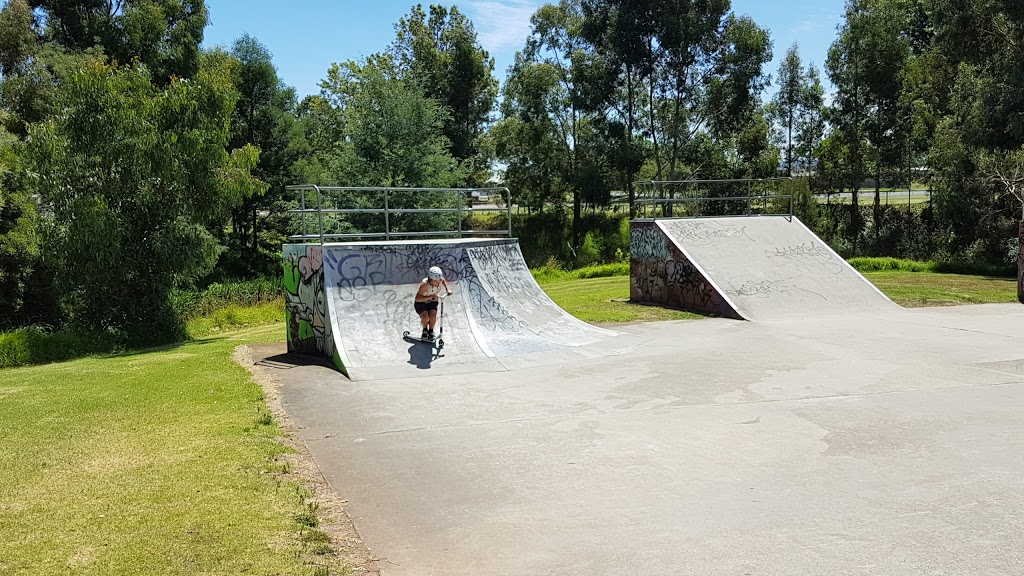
[753,268]
[497,310]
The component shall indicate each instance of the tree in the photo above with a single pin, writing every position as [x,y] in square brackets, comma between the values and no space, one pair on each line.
[165,35]
[548,142]
[394,134]
[19,248]
[796,107]
[134,174]
[441,53]
[264,117]
[866,64]
[1005,170]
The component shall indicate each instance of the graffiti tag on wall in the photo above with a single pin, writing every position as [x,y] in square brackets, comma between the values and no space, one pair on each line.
[661,274]
[309,326]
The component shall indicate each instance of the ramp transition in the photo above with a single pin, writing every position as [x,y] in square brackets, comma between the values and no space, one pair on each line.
[753,268]
[351,302]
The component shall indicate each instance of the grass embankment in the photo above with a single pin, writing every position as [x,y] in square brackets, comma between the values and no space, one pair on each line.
[160,462]
[917,284]
[933,289]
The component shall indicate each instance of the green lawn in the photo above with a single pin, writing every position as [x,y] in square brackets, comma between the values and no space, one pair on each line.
[156,462]
[915,289]
[606,300]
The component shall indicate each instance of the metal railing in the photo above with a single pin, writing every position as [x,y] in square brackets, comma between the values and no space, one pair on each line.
[668,193]
[315,207]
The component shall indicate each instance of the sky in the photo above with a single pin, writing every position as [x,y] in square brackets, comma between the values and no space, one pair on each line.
[306,37]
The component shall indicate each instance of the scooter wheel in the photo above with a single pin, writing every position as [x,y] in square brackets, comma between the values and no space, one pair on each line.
[405,334]
[440,343]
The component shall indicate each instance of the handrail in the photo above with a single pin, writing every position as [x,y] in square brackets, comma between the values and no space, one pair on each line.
[387,211]
[653,192]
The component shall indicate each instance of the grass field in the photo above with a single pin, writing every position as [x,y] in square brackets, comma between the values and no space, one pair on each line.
[156,462]
[916,289]
[602,300]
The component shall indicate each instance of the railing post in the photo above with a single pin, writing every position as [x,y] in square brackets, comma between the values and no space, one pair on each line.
[387,219]
[458,201]
[302,195]
[791,197]
[319,213]
[508,206]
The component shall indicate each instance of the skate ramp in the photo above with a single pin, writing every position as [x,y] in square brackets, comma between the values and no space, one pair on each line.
[753,268]
[497,312]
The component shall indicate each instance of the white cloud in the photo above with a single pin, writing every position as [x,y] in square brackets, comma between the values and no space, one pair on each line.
[808,26]
[502,24]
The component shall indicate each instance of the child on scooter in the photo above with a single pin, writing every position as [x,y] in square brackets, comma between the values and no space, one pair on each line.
[427,298]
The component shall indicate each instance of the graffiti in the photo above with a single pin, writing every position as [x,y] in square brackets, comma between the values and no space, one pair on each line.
[647,243]
[661,274]
[309,326]
[490,314]
[809,255]
[799,250]
[697,231]
[766,288]
[392,307]
[356,275]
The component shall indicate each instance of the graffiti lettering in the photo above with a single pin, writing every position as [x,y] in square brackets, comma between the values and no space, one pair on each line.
[661,274]
[697,231]
[309,327]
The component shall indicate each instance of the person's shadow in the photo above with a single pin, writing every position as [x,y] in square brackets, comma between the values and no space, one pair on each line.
[422,354]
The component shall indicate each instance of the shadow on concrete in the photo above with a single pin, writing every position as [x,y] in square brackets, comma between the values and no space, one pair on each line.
[289,360]
[421,355]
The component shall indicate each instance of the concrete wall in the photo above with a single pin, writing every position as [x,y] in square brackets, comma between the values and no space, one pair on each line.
[661,274]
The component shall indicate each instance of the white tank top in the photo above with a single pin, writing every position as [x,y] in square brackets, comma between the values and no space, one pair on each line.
[431,289]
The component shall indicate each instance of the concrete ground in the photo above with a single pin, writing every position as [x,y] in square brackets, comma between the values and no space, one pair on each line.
[872,445]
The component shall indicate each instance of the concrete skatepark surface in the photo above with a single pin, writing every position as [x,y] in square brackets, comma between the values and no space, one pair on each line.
[886,443]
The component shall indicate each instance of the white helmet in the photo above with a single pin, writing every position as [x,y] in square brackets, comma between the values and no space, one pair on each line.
[434,273]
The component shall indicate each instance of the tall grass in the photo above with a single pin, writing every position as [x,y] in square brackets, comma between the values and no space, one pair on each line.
[551,272]
[217,308]
[195,304]
[900,265]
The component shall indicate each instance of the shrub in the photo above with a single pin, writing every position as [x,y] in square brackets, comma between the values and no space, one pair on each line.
[38,345]
[589,252]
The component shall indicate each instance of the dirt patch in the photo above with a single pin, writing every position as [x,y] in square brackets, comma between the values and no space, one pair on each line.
[331,508]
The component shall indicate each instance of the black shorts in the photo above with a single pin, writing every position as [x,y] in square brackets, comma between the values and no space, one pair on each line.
[422,307]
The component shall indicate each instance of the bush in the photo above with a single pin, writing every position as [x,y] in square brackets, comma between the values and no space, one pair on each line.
[969,268]
[38,345]
[590,252]
[193,304]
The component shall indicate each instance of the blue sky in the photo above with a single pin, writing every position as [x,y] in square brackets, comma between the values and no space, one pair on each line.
[306,37]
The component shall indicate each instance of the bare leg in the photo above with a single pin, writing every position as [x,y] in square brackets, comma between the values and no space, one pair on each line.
[424,320]
[433,319]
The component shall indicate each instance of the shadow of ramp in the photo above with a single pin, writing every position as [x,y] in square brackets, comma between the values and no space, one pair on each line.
[274,356]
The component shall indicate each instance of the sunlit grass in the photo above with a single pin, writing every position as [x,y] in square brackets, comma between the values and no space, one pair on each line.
[916,289]
[156,462]
[599,300]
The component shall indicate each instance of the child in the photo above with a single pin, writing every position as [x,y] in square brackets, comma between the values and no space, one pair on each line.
[426,300]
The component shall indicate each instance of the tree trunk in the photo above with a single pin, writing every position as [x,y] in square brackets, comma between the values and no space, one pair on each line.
[878,206]
[789,145]
[1020,264]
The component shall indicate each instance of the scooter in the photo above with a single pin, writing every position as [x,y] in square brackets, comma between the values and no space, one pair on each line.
[437,340]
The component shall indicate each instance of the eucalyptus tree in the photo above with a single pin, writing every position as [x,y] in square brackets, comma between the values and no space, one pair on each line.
[796,106]
[439,50]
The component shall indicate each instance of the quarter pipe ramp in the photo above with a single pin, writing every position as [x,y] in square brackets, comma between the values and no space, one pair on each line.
[352,301]
[753,268]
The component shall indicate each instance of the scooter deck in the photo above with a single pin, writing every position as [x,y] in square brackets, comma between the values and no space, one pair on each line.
[438,341]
